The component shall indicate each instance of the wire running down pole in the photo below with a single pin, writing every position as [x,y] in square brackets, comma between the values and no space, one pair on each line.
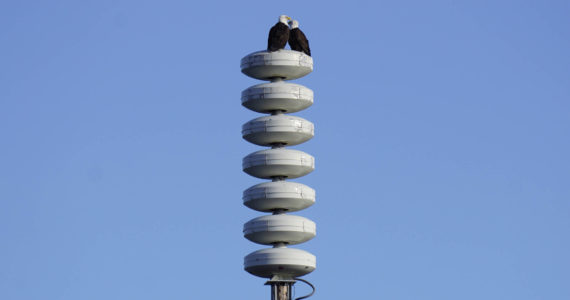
[309,284]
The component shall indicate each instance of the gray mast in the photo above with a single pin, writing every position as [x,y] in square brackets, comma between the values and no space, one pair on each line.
[280,264]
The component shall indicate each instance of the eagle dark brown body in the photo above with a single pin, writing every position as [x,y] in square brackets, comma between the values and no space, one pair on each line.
[298,41]
[278,37]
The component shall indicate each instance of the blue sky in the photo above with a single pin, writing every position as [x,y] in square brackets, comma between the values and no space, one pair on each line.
[441,145]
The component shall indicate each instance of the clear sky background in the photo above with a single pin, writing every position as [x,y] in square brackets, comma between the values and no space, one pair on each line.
[442,148]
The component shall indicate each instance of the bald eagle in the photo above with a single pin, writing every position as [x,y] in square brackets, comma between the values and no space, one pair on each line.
[278,34]
[297,39]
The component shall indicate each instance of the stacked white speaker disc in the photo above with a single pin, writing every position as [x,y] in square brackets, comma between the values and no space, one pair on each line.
[277,130]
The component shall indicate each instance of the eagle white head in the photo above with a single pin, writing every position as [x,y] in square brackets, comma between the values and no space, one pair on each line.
[284,19]
[294,24]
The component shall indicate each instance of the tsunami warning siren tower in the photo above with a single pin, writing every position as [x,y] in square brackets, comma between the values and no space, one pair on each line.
[277,98]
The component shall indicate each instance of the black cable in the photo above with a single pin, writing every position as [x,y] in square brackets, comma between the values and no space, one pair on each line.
[312,286]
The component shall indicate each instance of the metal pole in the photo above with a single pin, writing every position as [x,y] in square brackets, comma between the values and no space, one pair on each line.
[281,290]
